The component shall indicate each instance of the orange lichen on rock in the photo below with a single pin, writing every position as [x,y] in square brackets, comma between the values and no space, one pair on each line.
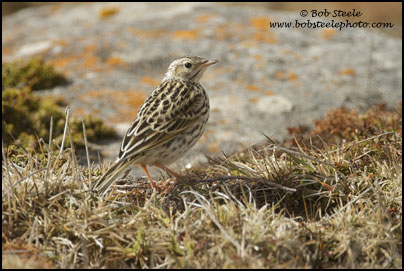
[96,93]
[283,75]
[86,59]
[292,76]
[265,37]
[115,61]
[328,33]
[63,61]
[134,99]
[89,57]
[258,57]
[203,18]
[280,75]
[190,35]
[252,88]
[107,12]
[253,100]
[260,23]
[90,48]
[263,33]
[150,81]
[348,71]
[90,61]
[155,33]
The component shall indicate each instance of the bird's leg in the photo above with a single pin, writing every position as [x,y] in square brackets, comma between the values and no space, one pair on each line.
[169,171]
[177,176]
[155,187]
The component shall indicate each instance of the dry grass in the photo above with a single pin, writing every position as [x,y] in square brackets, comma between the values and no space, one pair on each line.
[320,204]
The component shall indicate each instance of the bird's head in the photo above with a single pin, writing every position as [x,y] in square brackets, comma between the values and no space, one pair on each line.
[188,68]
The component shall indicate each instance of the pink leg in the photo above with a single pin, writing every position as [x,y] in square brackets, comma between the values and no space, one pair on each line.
[169,171]
[155,187]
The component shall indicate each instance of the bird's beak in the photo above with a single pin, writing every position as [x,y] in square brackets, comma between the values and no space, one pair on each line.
[209,62]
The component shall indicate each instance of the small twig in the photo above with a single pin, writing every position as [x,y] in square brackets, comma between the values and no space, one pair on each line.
[84,241]
[49,156]
[67,110]
[85,144]
[73,153]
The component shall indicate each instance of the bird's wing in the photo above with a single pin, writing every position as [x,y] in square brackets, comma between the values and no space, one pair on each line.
[168,111]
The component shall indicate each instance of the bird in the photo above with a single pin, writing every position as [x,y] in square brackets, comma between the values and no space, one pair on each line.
[170,121]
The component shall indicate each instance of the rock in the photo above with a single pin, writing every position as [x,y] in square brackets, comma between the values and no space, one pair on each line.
[274,105]
[268,79]
[33,48]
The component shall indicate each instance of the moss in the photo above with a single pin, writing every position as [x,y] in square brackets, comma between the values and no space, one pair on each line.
[26,118]
[34,74]
[341,125]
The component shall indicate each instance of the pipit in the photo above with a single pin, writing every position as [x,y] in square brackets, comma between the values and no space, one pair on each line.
[168,124]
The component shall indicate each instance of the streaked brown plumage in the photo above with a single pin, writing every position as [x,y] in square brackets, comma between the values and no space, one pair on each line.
[169,123]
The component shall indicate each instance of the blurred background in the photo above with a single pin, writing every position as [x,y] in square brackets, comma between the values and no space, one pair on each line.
[372,12]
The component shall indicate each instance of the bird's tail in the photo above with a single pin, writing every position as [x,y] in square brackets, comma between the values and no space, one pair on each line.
[110,176]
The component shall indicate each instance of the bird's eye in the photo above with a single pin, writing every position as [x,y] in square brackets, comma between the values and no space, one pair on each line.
[187,65]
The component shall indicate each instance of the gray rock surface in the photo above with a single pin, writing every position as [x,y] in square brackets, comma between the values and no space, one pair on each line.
[268,79]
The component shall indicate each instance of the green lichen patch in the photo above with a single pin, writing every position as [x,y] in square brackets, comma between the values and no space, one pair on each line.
[34,74]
